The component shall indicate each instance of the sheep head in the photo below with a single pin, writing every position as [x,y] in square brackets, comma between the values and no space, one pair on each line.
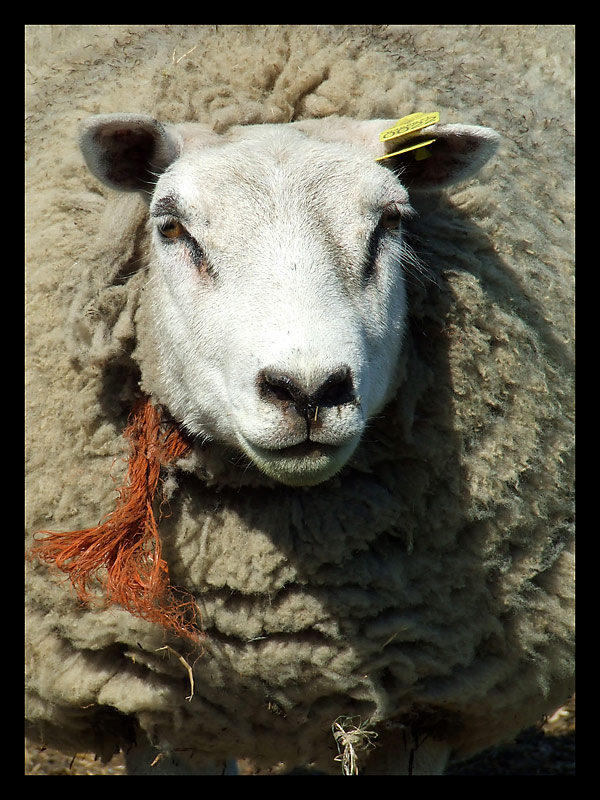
[277,288]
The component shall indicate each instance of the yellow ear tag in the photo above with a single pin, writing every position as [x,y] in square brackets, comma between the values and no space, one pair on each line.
[408,125]
[407,128]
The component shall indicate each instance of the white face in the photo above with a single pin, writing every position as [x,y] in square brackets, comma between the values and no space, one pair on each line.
[278,296]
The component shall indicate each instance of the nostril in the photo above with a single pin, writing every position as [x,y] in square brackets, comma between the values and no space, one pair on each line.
[278,387]
[336,390]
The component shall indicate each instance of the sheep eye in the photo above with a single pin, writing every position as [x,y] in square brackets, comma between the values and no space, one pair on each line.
[390,219]
[173,229]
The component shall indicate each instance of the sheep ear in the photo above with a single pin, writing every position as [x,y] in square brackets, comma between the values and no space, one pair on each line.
[457,153]
[128,151]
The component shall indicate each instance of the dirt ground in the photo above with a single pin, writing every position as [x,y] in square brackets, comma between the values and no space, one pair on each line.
[546,750]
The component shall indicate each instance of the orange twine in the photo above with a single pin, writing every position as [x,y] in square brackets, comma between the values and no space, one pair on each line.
[124,551]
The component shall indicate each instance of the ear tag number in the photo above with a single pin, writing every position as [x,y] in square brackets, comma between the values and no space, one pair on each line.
[408,125]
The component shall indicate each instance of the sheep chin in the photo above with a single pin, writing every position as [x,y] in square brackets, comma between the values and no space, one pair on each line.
[306,464]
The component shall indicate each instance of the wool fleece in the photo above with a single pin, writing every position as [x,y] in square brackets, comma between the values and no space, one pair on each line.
[425,590]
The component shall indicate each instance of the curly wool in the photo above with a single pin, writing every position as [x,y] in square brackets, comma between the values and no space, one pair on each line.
[433,593]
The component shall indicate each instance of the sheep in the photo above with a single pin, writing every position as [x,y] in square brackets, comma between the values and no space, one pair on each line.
[368,496]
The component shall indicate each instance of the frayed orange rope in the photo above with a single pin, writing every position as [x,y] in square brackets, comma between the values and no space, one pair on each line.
[124,551]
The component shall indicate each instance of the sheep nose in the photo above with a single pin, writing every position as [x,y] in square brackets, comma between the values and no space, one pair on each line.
[280,389]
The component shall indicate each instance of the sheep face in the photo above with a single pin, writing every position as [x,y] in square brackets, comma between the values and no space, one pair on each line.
[279,297]
[277,294]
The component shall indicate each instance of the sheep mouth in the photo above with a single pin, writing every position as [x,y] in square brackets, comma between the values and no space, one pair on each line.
[306,449]
[304,464]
